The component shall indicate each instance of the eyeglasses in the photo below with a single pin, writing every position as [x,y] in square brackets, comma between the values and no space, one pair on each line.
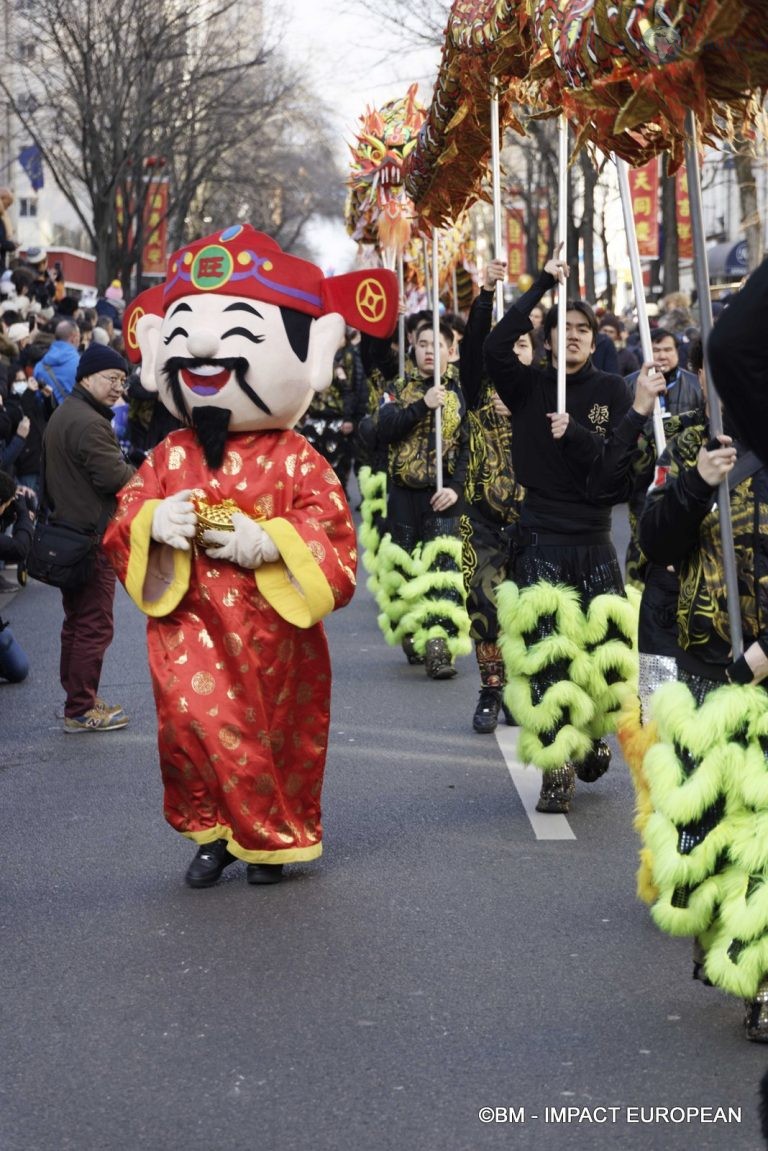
[116,382]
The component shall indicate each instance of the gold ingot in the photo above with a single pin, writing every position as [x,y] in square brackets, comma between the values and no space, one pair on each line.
[216,517]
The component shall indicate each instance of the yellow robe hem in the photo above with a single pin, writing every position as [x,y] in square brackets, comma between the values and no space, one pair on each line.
[302,606]
[279,855]
[162,567]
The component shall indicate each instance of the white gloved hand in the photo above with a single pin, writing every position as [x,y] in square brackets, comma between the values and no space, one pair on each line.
[248,545]
[175,521]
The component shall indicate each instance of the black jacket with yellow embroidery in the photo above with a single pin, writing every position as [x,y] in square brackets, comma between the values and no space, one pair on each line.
[491,490]
[680,525]
[407,425]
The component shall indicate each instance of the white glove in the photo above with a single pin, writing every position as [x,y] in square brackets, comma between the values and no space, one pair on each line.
[248,545]
[175,521]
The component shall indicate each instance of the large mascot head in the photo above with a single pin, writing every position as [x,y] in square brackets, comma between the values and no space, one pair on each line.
[241,334]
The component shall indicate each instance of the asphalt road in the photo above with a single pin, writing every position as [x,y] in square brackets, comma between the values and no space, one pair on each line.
[438,960]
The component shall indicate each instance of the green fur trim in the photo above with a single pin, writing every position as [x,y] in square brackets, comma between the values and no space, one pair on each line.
[422,624]
[670,868]
[436,598]
[736,945]
[441,546]
[707,754]
[679,796]
[532,660]
[743,977]
[544,716]
[598,673]
[373,485]
[520,610]
[693,919]
[569,744]
[395,568]
[370,541]
[610,609]
[743,904]
[749,845]
[373,510]
[457,644]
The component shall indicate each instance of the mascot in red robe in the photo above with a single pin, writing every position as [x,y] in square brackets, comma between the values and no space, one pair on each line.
[235,539]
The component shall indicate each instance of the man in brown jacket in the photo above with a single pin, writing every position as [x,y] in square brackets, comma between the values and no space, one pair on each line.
[84,470]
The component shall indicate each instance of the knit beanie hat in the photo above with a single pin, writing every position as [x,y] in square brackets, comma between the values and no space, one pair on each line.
[96,358]
[115,291]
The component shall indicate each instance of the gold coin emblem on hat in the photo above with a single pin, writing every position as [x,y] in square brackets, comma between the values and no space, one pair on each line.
[371,300]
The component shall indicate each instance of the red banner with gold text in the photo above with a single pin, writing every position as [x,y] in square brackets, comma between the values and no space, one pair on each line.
[644,190]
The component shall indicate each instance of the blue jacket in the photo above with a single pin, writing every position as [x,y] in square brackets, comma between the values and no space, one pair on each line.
[61,359]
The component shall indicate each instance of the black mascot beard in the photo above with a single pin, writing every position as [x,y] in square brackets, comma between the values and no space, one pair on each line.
[210,423]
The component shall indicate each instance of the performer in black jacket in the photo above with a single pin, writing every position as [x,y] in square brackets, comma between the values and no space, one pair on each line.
[564,539]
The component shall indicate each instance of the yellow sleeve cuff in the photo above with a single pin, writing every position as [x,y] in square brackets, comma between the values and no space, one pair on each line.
[157,578]
[294,585]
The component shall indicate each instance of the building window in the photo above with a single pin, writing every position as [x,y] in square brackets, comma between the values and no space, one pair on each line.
[27,206]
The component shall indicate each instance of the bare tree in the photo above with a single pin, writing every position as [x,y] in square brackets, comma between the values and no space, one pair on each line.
[279,179]
[416,25]
[155,81]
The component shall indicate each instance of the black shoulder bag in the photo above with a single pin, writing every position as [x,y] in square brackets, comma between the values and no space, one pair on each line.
[61,555]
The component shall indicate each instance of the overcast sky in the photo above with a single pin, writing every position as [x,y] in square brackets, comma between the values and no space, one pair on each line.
[353,63]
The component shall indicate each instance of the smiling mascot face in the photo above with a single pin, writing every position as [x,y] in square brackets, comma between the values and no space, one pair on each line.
[242,334]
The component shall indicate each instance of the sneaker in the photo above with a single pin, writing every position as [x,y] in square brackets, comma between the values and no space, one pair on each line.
[486,715]
[95,720]
[108,708]
[557,790]
[207,866]
[264,873]
[438,660]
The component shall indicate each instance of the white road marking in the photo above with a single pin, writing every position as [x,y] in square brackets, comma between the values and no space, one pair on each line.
[527,780]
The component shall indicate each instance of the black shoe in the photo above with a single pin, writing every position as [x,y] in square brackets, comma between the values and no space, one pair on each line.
[557,790]
[264,872]
[486,715]
[438,660]
[756,1018]
[508,716]
[412,655]
[596,763]
[207,866]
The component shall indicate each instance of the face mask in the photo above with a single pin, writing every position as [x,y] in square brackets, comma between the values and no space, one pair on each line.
[19,387]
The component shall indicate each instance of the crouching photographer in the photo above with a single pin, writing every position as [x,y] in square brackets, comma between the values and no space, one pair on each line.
[17,517]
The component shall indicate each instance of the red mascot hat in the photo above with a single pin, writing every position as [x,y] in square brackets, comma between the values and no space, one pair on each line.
[240,261]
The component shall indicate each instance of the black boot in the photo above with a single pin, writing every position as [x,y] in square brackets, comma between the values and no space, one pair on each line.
[263,873]
[486,714]
[438,660]
[412,655]
[596,763]
[557,790]
[207,866]
[756,1018]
